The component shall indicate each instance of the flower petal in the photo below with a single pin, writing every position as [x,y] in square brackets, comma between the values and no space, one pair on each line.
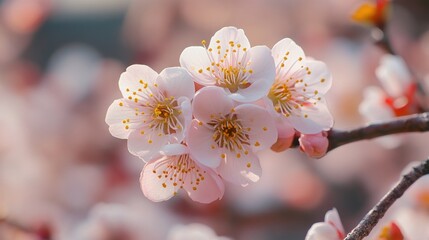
[322,231]
[317,80]
[134,78]
[240,169]
[261,127]
[146,144]
[223,37]
[122,119]
[209,189]
[287,52]
[156,188]
[332,217]
[312,118]
[373,106]
[196,61]
[176,82]
[201,145]
[209,102]
[262,77]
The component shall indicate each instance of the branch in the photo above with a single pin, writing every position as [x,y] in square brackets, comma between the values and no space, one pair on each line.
[372,217]
[411,123]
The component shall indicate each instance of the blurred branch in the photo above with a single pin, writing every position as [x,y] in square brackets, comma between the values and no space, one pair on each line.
[411,123]
[372,217]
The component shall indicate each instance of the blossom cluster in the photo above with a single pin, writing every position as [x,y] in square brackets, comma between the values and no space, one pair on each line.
[247,100]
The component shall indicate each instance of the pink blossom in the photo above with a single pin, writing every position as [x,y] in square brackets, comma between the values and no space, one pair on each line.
[314,145]
[163,177]
[330,229]
[154,111]
[244,72]
[226,136]
[296,98]
[395,98]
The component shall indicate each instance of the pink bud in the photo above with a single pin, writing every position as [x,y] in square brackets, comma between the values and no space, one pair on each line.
[314,145]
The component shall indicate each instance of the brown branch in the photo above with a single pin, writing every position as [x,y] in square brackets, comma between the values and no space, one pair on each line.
[372,217]
[411,123]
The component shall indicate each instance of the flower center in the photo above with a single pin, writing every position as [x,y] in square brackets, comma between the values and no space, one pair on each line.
[179,170]
[229,133]
[162,111]
[281,97]
[229,67]
[164,116]
[233,79]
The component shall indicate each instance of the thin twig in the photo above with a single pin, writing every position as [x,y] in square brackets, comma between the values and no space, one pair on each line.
[411,123]
[372,217]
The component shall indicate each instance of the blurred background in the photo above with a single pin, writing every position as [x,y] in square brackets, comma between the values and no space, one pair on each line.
[63,176]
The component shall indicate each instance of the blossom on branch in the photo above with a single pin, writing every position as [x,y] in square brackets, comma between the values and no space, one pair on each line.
[244,72]
[155,109]
[330,229]
[297,96]
[226,136]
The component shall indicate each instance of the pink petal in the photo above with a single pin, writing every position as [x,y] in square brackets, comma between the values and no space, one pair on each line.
[196,60]
[121,118]
[146,144]
[176,82]
[156,188]
[261,127]
[201,145]
[130,80]
[261,78]
[210,102]
[295,57]
[240,168]
[209,189]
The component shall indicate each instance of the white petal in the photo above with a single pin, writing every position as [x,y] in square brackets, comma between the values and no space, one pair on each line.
[224,36]
[209,102]
[121,118]
[262,77]
[146,145]
[156,188]
[294,54]
[393,75]
[333,217]
[174,149]
[176,82]
[241,170]
[262,129]
[201,145]
[373,107]
[129,81]
[322,231]
[317,79]
[196,60]
[209,189]
[318,118]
